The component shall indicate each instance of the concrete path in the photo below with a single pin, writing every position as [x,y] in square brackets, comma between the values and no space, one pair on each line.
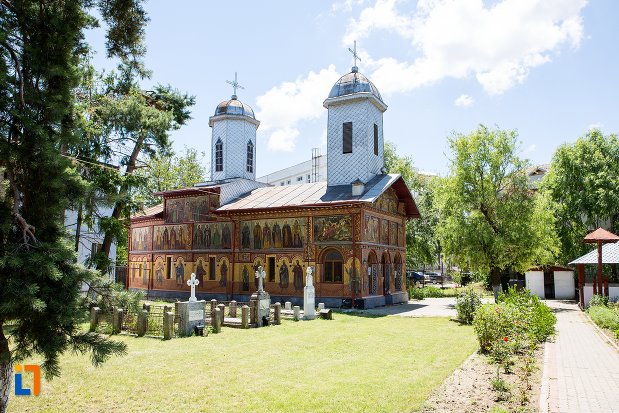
[581,368]
[429,307]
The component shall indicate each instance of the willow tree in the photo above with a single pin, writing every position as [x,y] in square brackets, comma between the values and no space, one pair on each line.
[490,220]
[41,46]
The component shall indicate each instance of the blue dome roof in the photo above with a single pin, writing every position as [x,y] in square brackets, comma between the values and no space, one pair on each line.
[354,82]
[234,107]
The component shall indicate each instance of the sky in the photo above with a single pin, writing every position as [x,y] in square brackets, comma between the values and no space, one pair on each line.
[546,68]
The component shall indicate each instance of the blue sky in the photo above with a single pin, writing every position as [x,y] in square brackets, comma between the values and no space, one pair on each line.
[547,68]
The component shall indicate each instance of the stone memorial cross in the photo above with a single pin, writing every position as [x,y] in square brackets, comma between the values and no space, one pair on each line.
[192,283]
[260,274]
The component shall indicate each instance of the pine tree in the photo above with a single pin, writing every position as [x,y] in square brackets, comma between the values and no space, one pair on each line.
[41,45]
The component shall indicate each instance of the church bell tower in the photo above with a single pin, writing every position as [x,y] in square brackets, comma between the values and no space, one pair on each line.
[355,140]
[233,142]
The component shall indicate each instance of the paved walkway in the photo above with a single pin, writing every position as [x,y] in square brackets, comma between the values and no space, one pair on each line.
[428,307]
[582,369]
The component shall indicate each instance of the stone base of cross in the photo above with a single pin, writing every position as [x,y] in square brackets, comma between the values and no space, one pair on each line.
[193,282]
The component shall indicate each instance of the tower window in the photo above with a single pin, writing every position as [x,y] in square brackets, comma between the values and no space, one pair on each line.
[219,156]
[375,139]
[347,137]
[250,157]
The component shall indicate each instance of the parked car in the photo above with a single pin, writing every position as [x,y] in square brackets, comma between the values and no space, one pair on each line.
[433,277]
[414,277]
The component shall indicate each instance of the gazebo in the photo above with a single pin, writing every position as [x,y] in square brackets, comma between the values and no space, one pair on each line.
[607,252]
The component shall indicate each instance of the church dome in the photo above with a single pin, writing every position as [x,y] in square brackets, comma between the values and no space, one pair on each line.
[234,107]
[354,82]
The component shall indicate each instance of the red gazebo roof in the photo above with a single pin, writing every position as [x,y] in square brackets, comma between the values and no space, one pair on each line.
[601,234]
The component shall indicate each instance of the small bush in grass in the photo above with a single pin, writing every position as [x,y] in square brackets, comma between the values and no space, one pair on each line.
[415,293]
[492,322]
[466,304]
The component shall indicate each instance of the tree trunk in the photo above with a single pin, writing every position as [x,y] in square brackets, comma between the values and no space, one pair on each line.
[119,206]
[78,229]
[495,277]
[6,372]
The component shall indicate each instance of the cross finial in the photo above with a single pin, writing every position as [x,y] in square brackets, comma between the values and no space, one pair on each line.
[235,85]
[356,56]
[193,282]
[260,274]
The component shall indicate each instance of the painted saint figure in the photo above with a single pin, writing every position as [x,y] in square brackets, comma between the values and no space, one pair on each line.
[297,271]
[200,273]
[277,236]
[266,237]
[224,275]
[283,276]
[287,235]
[180,273]
[245,237]
[225,237]
[257,237]
[159,273]
[207,236]
[216,238]
[296,235]
[245,279]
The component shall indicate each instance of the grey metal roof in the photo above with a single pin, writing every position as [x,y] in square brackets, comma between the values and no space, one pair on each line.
[353,82]
[317,193]
[610,255]
[234,107]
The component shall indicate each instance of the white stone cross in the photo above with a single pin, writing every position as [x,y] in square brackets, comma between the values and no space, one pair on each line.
[260,274]
[235,84]
[308,278]
[192,283]
[354,53]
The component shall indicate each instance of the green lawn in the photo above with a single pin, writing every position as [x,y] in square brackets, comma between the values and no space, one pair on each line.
[349,364]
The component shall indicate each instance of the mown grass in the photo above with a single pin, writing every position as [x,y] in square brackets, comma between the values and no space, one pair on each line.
[350,364]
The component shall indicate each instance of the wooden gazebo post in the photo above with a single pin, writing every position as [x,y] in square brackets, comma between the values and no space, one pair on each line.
[600,236]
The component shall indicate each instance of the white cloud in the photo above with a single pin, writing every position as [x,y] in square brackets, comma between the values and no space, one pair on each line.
[380,16]
[281,108]
[596,125]
[464,101]
[530,149]
[498,44]
[346,5]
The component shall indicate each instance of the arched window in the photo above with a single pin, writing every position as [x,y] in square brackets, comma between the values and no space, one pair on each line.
[397,272]
[250,157]
[333,267]
[219,156]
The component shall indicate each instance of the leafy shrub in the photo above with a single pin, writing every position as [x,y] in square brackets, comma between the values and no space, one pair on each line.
[415,293]
[492,322]
[604,317]
[598,301]
[433,292]
[466,305]
[533,317]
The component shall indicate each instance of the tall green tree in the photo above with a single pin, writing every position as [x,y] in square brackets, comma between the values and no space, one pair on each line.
[490,219]
[163,173]
[583,181]
[422,246]
[41,45]
[133,125]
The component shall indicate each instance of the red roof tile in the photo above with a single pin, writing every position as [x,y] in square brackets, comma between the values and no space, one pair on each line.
[601,234]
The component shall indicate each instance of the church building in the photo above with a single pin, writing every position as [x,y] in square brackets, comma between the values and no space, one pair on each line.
[350,229]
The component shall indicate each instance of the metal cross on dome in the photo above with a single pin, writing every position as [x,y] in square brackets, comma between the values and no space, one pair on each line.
[354,53]
[235,84]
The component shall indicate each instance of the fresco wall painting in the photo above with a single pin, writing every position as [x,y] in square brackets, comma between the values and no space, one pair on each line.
[273,234]
[333,228]
[141,239]
[172,237]
[217,235]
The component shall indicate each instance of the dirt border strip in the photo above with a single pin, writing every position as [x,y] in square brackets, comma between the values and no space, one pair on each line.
[549,397]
